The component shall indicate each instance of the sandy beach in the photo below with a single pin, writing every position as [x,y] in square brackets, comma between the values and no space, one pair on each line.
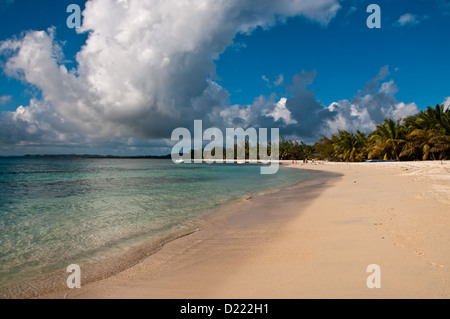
[310,241]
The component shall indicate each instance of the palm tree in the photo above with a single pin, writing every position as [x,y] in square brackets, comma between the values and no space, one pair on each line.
[309,151]
[291,150]
[436,117]
[325,149]
[430,132]
[284,148]
[388,140]
[350,147]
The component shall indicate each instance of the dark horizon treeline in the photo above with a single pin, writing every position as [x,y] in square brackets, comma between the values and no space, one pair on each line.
[424,136]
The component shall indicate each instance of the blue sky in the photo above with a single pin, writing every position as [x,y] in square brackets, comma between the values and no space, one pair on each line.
[346,54]
[304,67]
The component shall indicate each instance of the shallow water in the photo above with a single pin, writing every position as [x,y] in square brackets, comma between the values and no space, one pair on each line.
[57,212]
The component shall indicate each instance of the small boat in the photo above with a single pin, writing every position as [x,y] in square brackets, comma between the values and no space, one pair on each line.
[180,161]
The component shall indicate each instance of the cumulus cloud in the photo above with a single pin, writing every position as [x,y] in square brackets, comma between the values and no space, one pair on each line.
[369,107]
[36,124]
[147,67]
[280,112]
[309,113]
[301,115]
[258,114]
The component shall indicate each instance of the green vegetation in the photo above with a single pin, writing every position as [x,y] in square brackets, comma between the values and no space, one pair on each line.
[424,136]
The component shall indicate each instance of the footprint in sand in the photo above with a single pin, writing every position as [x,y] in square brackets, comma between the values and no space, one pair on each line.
[429,263]
[378,224]
[420,253]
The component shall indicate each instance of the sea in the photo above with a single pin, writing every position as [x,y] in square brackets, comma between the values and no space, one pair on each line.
[55,212]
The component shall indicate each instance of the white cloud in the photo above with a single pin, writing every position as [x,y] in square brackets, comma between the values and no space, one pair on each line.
[279,81]
[446,103]
[280,112]
[409,19]
[369,107]
[301,115]
[255,114]
[36,124]
[144,70]
[389,87]
[349,117]
[4,99]
[403,110]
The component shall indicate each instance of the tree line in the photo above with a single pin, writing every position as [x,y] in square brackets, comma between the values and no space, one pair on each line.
[424,136]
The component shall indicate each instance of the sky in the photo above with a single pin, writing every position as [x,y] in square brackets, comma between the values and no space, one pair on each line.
[136,70]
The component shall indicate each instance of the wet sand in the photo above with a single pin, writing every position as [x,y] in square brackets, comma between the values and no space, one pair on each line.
[310,241]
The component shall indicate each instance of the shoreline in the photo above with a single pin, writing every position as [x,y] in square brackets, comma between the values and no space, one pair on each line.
[391,214]
[209,228]
[128,256]
[309,242]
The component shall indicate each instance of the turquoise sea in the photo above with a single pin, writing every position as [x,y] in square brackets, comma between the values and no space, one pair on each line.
[57,212]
